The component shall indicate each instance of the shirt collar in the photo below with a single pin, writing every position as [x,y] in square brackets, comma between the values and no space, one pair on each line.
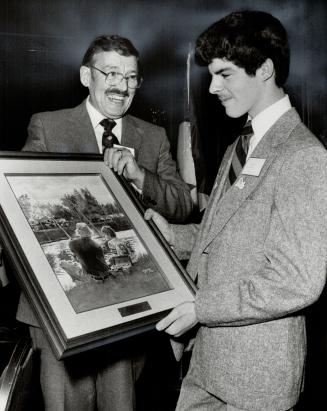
[262,122]
[96,117]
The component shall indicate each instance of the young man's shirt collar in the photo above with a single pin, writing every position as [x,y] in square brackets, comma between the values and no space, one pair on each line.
[95,118]
[262,122]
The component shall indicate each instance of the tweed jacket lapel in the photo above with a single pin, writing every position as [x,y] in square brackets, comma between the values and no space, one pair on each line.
[216,195]
[131,134]
[84,139]
[233,199]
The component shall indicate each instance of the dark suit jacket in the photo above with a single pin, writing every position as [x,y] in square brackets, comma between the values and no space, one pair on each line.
[260,257]
[71,131]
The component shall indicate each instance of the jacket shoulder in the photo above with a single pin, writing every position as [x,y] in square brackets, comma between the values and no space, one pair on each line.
[55,114]
[301,138]
[145,125]
[302,153]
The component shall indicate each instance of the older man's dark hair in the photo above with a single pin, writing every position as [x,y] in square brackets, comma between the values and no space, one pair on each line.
[113,42]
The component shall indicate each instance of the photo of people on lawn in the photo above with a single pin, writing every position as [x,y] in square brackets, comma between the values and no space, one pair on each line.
[91,245]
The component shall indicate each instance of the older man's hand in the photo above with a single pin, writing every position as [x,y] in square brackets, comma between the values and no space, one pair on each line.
[123,162]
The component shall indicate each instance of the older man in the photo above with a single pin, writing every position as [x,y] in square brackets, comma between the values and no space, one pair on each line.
[110,71]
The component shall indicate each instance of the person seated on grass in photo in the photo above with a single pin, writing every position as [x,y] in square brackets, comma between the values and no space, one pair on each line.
[89,253]
[118,246]
[115,245]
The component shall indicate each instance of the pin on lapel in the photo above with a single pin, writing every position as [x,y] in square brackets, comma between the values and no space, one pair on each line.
[240,183]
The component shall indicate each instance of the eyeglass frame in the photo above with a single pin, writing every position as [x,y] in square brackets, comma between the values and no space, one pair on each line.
[140,78]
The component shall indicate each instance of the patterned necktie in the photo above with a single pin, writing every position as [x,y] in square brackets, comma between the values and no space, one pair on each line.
[108,137]
[241,150]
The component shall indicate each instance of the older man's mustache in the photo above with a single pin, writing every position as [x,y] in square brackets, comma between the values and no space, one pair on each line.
[117,91]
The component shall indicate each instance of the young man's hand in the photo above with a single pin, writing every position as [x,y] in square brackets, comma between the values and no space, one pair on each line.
[162,224]
[180,320]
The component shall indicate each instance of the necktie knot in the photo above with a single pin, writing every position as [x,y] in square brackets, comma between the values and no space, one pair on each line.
[108,138]
[108,125]
[247,129]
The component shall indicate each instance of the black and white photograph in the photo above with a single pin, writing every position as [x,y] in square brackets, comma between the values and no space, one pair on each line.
[89,242]
[163,205]
[93,269]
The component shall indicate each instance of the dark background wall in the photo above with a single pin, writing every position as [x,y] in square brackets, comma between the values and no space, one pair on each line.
[42,43]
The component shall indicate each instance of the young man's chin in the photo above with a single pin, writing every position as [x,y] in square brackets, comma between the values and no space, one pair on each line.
[234,113]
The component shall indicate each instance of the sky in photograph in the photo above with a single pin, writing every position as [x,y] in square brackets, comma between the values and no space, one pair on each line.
[50,188]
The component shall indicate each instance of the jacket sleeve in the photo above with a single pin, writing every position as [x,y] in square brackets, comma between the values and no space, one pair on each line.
[36,140]
[164,190]
[293,265]
[185,236]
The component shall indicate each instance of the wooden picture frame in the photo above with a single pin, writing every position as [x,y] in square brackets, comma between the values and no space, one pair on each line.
[88,284]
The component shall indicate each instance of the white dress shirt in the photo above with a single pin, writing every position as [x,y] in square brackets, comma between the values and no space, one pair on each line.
[262,122]
[96,118]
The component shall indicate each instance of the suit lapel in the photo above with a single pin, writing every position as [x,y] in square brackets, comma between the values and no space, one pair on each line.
[132,134]
[217,190]
[83,136]
[233,199]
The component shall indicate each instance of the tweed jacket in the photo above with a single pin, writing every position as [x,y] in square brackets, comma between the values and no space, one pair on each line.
[259,258]
[71,131]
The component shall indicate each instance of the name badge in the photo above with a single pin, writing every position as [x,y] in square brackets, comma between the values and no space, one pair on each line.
[253,166]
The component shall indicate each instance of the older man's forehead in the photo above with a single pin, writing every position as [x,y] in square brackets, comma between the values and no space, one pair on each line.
[114,60]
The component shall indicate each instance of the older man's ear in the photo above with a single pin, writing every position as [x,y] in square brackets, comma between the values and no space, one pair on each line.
[85,75]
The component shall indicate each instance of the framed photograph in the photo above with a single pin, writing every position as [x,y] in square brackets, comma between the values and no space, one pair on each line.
[91,267]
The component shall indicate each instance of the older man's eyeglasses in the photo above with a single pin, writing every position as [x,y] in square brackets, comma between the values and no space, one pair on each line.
[113,78]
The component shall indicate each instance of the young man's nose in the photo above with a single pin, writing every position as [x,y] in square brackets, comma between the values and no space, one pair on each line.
[216,85]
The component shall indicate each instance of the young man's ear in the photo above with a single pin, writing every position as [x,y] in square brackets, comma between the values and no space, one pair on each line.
[267,70]
[85,74]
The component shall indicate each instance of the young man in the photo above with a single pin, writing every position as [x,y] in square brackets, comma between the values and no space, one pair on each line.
[259,256]
[105,378]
